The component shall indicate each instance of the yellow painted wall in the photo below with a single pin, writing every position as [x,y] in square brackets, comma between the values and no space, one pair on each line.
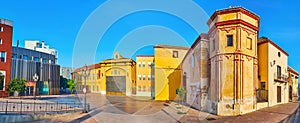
[143,87]
[263,63]
[125,67]
[167,72]
[233,73]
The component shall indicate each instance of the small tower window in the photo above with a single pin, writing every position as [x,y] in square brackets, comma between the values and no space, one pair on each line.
[229,40]
[175,54]
[213,45]
[249,43]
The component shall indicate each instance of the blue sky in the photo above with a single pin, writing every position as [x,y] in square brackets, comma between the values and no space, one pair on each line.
[58,22]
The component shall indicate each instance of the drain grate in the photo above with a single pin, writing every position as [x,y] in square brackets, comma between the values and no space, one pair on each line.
[210,119]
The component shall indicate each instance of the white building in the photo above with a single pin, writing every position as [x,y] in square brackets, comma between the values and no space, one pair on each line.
[41,47]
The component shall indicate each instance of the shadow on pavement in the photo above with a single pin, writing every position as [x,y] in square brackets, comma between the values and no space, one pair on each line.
[85,117]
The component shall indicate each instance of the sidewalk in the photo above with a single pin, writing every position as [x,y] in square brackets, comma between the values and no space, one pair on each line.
[273,114]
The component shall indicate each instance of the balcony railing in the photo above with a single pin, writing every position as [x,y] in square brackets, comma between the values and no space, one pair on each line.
[262,95]
[281,77]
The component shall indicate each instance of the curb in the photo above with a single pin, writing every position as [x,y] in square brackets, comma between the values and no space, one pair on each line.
[291,118]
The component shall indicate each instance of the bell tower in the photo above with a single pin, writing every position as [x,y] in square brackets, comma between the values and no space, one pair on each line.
[233,59]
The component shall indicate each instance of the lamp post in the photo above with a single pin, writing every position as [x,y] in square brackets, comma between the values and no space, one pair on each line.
[85,72]
[35,79]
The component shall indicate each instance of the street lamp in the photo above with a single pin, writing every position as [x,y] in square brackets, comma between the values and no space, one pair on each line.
[85,72]
[35,79]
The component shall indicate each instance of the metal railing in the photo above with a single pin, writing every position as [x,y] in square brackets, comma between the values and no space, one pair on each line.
[281,77]
[262,95]
[7,107]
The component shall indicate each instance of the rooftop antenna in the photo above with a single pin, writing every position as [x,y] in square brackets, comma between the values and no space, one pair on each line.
[17,43]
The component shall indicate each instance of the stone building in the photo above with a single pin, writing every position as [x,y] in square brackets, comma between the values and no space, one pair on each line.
[230,71]
[293,84]
[195,70]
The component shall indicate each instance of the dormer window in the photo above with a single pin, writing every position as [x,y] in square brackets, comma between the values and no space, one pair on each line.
[117,56]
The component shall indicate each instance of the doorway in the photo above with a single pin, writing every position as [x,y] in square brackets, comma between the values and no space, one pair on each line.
[278,94]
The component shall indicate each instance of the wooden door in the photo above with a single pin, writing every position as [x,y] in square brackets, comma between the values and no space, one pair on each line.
[278,94]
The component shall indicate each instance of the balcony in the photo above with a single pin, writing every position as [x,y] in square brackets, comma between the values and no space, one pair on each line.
[280,77]
[262,95]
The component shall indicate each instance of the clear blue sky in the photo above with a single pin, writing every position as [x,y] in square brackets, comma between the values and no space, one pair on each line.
[58,22]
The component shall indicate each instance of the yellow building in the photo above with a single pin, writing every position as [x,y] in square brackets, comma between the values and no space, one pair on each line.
[167,70]
[233,59]
[273,74]
[293,84]
[91,81]
[118,76]
[144,75]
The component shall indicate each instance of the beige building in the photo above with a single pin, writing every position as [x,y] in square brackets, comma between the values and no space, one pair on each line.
[293,84]
[273,74]
[195,71]
[144,75]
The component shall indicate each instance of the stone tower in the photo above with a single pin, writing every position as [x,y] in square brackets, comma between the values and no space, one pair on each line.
[233,59]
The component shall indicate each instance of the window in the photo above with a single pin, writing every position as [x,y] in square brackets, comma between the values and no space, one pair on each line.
[3,57]
[175,54]
[144,88]
[144,77]
[249,43]
[1,41]
[139,63]
[36,59]
[263,85]
[144,64]
[1,29]
[213,44]
[229,40]
[279,54]
[140,77]
[278,71]
[25,57]
[139,88]
[149,77]
[44,60]
[2,80]
[117,56]
[14,56]
[149,64]
[99,73]
[115,72]
[193,60]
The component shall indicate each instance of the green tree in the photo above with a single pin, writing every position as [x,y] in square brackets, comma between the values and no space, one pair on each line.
[181,93]
[17,85]
[1,81]
[72,85]
[63,82]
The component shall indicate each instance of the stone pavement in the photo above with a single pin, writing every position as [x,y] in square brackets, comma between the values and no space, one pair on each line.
[114,109]
[273,114]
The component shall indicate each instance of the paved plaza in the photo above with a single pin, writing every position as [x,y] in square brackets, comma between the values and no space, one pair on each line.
[114,109]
